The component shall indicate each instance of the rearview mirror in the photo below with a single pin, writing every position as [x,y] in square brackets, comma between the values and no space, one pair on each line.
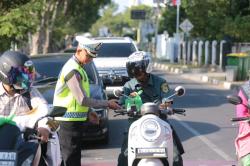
[234,99]
[179,90]
[107,81]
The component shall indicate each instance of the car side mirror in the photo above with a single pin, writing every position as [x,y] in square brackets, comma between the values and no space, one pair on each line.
[107,81]
[57,112]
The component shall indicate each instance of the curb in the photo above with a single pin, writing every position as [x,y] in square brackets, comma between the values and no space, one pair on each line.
[198,74]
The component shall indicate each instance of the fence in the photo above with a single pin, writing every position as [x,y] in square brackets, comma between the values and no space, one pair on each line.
[197,53]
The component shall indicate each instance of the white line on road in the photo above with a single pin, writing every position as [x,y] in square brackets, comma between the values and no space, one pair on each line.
[205,140]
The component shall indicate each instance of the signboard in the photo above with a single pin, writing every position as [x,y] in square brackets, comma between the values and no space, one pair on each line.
[186,25]
[138,14]
[176,2]
[8,158]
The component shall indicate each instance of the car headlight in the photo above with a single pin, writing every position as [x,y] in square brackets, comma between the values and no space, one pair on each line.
[150,130]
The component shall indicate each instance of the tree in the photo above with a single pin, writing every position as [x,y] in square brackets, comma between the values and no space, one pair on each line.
[212,19]
[168,19]
[61,18]
[16,21]
[34,22]
[120,24]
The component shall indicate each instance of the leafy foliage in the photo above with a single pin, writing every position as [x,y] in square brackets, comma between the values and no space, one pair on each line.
[212,19]
[119,24]
[17,18]
[58,18]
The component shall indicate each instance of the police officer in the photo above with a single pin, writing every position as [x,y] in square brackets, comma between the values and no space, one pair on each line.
[73,95]
[155,88]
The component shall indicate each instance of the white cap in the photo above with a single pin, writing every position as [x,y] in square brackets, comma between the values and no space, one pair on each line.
[92,46]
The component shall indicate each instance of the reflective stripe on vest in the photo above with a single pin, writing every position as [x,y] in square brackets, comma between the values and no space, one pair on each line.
[64,98]
[73,116]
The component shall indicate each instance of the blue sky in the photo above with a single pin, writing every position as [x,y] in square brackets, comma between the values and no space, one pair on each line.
[122,4]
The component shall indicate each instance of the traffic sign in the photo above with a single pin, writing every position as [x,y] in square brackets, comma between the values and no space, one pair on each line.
[138,14]
[186,25]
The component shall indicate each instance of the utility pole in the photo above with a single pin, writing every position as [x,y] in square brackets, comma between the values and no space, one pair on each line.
[157,11]
[178,2]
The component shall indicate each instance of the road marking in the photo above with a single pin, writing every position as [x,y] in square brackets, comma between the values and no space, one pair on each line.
[205,140]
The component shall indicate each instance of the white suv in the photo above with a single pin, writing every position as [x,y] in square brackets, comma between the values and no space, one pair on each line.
[111,60]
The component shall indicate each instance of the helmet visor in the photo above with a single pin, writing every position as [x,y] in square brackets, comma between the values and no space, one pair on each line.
[22,77]
[136,68]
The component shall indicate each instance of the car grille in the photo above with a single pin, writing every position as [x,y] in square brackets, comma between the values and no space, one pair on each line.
[119,71]
[118,76]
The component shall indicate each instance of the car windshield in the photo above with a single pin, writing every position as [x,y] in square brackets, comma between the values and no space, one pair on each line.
[47,67]
[116,50]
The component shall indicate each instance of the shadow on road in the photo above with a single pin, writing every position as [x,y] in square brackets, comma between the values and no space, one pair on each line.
[204,128]
[116,132]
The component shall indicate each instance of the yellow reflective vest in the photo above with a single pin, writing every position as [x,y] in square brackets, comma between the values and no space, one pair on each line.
[64,98]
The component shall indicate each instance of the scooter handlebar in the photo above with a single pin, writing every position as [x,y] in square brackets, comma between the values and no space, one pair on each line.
[240,119]
[171,111]
[120,112]
[179,111]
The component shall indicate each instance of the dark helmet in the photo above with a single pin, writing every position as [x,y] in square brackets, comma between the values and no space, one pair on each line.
[150,108]
[16,69]
[137,62]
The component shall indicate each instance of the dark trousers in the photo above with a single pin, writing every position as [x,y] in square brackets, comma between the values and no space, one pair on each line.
[178,150]
[70,142]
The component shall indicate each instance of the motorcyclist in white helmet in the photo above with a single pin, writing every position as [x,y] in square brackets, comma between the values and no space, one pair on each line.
[155,88]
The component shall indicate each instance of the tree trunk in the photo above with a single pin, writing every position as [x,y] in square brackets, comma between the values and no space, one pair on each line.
[36,39]
[50,21]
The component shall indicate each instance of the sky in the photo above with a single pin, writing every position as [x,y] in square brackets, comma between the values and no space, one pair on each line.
[122,4]
[125,3]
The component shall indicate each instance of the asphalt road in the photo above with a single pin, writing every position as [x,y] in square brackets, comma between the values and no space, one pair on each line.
[206,131]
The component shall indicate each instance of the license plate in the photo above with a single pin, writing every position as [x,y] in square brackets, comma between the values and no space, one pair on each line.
[8,158]
[151,152]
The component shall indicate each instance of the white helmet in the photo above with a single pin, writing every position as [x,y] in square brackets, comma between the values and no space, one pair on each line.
[139,61]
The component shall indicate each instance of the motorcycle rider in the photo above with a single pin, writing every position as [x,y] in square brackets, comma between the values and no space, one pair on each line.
[242,141]
[155,88]
[18,98]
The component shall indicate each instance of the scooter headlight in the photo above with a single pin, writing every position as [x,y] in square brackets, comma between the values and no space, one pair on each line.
[150,130]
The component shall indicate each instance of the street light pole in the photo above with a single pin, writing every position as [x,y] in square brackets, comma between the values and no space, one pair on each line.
[157,26]
[178,3]
[177,18]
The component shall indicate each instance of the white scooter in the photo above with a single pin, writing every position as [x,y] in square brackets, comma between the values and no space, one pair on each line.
[150,140]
